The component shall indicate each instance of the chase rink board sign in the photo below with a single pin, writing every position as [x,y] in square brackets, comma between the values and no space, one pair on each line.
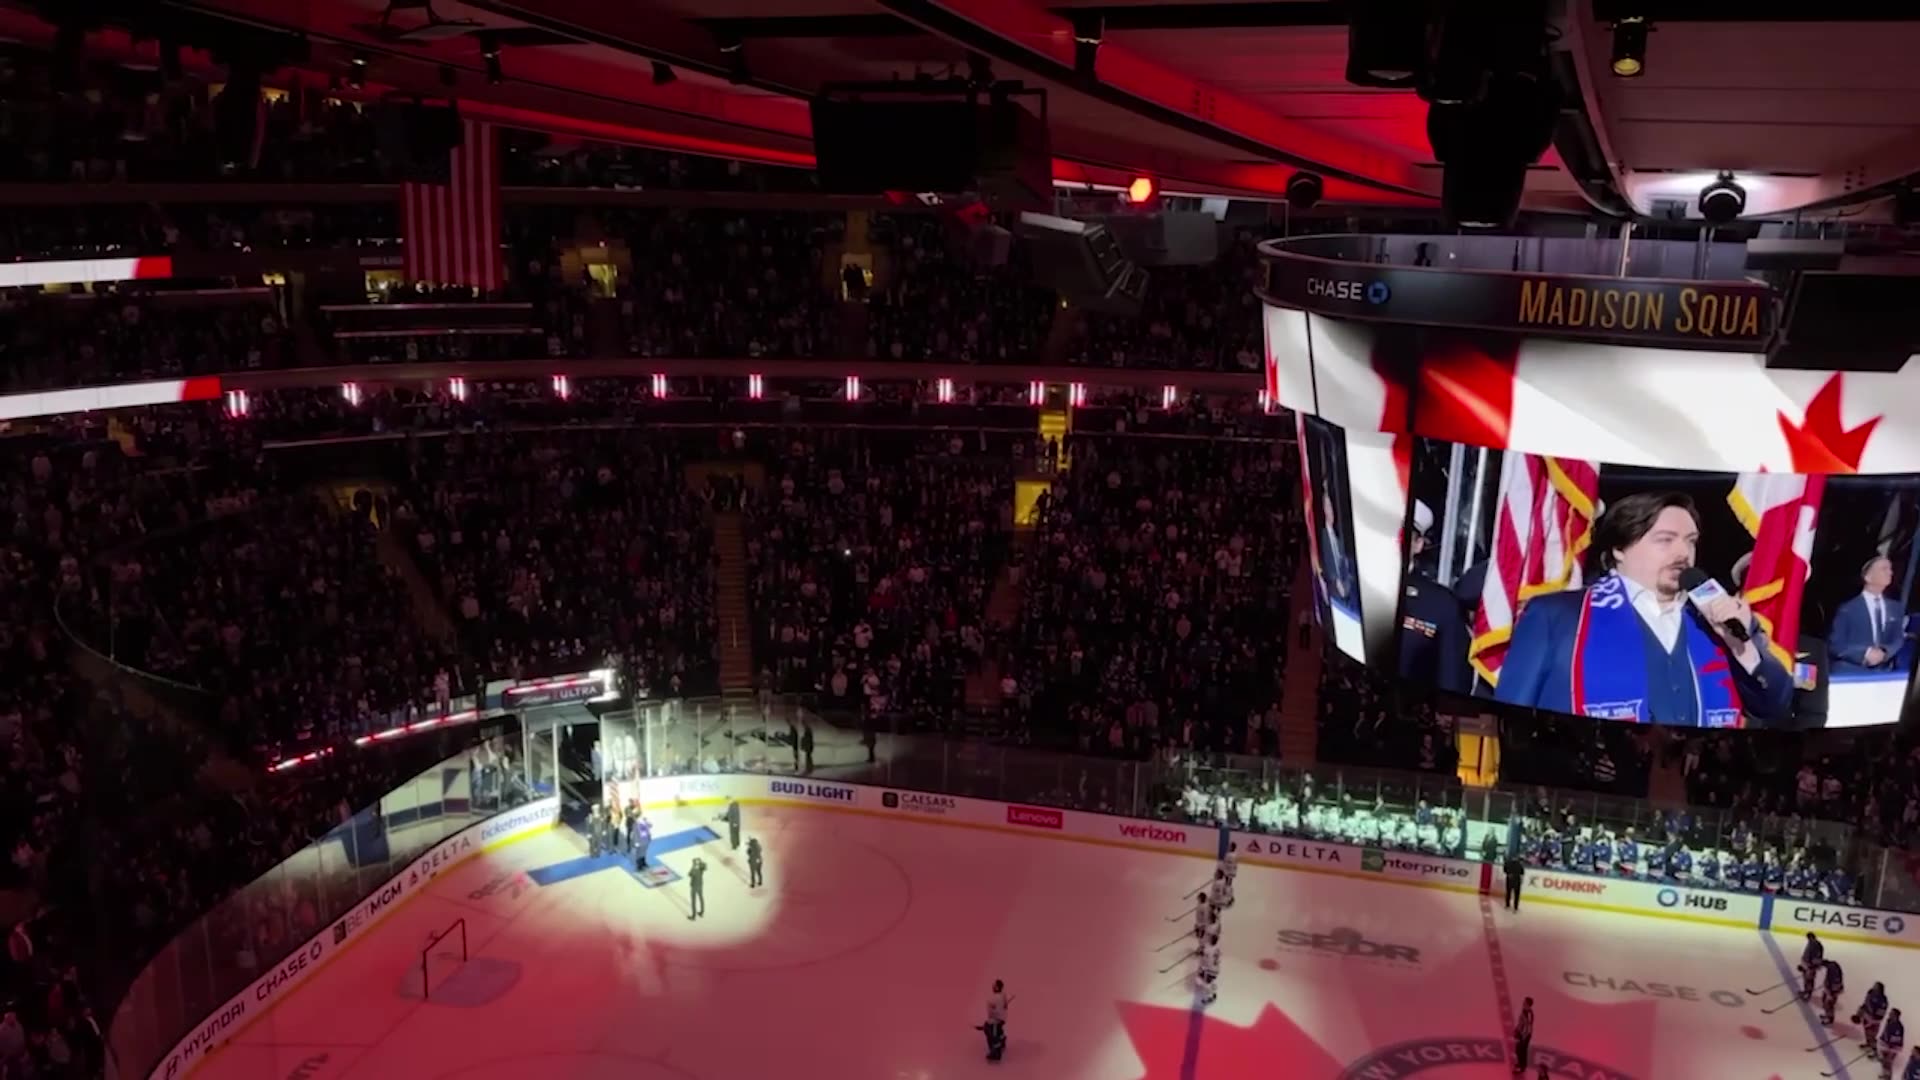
[266,991]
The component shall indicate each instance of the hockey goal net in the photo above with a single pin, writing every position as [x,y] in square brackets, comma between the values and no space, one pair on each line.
[443,954]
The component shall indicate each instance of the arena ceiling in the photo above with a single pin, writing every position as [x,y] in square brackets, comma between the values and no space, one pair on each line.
[1209,96]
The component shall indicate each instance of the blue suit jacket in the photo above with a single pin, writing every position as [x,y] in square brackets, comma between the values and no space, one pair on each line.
[1538,671]
[1852,633]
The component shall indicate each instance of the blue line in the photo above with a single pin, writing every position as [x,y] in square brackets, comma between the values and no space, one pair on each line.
[1196,1022]
[1835,1067]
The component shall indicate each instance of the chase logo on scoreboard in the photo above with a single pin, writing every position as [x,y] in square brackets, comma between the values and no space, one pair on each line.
[1424,1055]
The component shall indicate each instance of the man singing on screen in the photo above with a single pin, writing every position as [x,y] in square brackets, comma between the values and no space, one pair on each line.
[1633,645]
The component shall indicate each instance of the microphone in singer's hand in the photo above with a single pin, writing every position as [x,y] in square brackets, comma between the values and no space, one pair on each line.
[1703,590]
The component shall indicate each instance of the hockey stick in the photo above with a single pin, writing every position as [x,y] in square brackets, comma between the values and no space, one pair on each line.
[1795,1000]
[1175,941]
[1829,1042]
[1768,990]
[1184,957]
[1182,915]
[1857,1058]
[1198,891]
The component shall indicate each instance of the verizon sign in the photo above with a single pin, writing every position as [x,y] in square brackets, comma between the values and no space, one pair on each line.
[1160,834]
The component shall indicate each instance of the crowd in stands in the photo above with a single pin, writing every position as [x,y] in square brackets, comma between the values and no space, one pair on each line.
[1366,719]
[871,558]
[1148,607]
[77,339]
[1194,318]
[559,552]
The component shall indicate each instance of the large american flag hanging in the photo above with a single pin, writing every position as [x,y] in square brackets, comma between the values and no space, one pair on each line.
[1541,532]
[452,230]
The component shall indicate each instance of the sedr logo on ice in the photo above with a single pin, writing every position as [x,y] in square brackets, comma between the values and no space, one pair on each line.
[825,792]
[1698,901]
[1346,941]
[1871,921]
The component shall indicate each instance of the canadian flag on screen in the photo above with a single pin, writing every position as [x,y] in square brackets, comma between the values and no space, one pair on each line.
[452,230]
[1541,530]
[1779,511]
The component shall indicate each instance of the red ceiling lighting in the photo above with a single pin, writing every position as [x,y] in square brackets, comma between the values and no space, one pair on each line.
[1141,190]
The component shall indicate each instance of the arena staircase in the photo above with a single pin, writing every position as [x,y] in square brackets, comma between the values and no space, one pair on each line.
[1300,696]
[730,603]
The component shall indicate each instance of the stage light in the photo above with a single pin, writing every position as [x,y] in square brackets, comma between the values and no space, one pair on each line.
[1141,190]
[1304,189]
[756,387]
[1723,200]
[662,74]
[1077,394]
[1088,30]
[1386,43]
[1169,395]
[1630,46]
[350,391]
[490,52]
[943,390]
[1036,393]
[457,388]
[238,404]
[735,50]
[562,387]
[659,386]
[853,388]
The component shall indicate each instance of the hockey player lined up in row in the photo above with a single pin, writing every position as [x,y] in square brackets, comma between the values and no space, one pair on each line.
[1892,1038]
[1601,851]
[1813,958]
[1422,829]
[1217,899]
[1870,1015]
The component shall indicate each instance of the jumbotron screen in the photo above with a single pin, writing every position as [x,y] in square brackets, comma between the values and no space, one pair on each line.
[1668,596]
[1647,535]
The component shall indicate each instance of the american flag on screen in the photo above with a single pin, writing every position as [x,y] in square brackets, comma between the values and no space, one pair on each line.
[1779,511]
[452,230]
[1541,530]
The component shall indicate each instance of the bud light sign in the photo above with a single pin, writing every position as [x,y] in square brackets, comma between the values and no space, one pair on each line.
[820,792]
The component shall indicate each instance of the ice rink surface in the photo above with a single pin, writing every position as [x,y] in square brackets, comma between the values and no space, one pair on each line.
[870,950]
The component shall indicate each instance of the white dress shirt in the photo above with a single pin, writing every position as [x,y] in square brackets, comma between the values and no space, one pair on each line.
[1661,618]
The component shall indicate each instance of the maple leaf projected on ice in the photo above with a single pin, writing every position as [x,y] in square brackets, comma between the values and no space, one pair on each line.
[1404,1029]
[1820,443]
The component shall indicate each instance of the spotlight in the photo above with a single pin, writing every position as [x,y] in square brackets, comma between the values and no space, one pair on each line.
[1723,200]
[1486,147]
[357,71]
[735,50]
[662,74]
[1386,43]
[1630,46]
[490,52]
[1304,189]
[1088,29]
[1141,190]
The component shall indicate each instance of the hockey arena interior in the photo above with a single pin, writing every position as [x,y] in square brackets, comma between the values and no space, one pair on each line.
[927,539]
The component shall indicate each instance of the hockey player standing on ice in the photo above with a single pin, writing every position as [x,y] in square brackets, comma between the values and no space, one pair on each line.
[1523,1037]
[1913,1066]
[1891,1040]
[1219,893]
[755,878]
[697,881]
[1872,1010]
[996,1025]
[1209,973]
[1205,918]
[1230,862]
[731,815]
[1830,991]
[1811,959]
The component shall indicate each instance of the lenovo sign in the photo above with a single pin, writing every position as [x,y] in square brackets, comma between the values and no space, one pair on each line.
[1035,817]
